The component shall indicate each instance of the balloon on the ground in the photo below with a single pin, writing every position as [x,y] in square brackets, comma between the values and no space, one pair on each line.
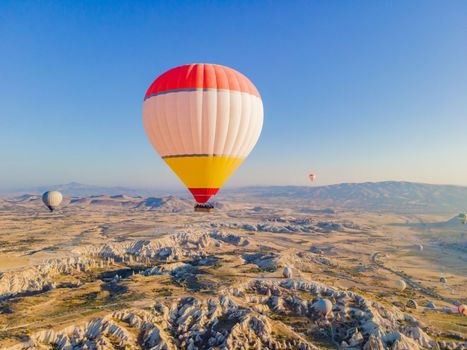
[323,306]
[287,273]
[203,120]
[462,309]
[400,284]
[412,304]
[52,199]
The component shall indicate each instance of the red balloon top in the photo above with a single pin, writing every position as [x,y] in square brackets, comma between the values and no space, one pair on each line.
[201,76]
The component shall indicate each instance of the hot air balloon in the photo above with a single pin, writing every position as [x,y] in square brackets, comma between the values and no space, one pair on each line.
[312,177]
[462,309]
[52,199]
[412,304]
[462,218]
[443,280]
[400,284]
[203,120]
[323,306]
[287,273]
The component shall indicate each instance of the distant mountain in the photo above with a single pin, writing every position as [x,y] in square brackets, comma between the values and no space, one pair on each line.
[75,189]
[392,196]
[163,204]
[388,196]
[169,203]
[452,223]
[27,197]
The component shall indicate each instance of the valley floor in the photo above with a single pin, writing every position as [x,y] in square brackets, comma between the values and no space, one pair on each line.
[109,275]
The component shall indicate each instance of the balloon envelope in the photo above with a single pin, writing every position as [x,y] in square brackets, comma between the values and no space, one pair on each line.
[323,306]
[462,309]
[287,273]
[400,284]
[203,120]
[52,199]
[462,218]
[312,177]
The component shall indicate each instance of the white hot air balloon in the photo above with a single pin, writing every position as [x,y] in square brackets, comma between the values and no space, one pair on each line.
[400,284]
[323,306]
[287,273]
[52,199]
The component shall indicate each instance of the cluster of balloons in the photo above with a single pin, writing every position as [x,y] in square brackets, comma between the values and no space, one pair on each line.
[203,120]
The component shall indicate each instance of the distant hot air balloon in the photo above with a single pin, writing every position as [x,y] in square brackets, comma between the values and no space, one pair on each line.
[400,284]
[287,273]
[203,120]
[443,280]
[462,218]
[412,304]
[323,306]
[52,199]
[312,177]
[462,309]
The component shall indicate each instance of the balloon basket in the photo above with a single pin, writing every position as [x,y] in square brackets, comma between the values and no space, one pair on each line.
[204,208]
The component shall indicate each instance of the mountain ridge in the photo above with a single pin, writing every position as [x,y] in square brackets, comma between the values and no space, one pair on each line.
[388,196]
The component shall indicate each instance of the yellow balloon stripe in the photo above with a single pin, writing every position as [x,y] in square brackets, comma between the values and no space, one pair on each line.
[203,171]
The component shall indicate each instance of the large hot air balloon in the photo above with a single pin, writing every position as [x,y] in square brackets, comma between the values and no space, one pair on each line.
[52,199]
[462,218]
[312,177]
[203,120]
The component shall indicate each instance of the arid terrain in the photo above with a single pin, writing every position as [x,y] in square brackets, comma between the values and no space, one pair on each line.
[137,272]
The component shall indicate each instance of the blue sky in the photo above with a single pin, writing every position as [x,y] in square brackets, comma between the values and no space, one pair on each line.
[353,90]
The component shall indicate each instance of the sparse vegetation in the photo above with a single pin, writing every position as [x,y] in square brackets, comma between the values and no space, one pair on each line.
[163,292]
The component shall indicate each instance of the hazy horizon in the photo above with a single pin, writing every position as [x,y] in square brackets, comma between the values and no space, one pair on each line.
[354,92]
[177,189]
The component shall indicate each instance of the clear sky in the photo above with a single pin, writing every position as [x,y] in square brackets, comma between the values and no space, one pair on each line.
[353,90]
